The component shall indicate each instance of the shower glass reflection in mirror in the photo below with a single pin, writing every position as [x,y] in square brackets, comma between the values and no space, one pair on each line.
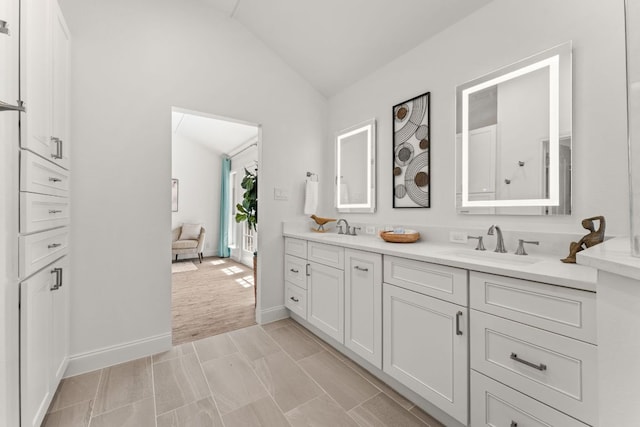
[355,168]
[513,138]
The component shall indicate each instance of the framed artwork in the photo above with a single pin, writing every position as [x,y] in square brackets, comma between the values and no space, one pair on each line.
[411,153]
[174,195]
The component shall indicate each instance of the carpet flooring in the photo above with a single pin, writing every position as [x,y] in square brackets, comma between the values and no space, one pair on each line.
[214,299]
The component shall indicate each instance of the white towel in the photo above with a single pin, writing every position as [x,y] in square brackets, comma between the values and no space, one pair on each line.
[311,197]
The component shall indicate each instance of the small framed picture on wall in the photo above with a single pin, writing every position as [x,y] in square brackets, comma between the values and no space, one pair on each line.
[174,195]
[411,153]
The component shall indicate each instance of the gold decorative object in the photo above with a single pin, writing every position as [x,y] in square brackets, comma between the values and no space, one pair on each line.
[409,236]
[593,238]
[321,222]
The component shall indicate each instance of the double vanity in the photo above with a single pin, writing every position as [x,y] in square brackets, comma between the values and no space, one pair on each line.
[475,338]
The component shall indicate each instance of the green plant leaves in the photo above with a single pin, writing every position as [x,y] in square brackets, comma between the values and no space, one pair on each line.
[248,209]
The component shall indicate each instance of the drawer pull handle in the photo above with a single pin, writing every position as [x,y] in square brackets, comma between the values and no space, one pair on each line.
[54,211]
[514,424]
[293,270]
[458,315]
[540,367]
[294,299]
[52,179]
[307,270]
[54,245]
[357,267]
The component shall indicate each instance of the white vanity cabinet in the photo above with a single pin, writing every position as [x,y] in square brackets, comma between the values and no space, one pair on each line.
[295,275]
[426,341]
[363,305]
[538,342]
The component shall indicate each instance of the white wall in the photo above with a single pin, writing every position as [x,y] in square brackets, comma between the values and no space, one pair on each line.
[198,170]
[132,61]
[499,34]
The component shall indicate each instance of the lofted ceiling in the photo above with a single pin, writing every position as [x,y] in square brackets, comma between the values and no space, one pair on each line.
[335,43]
[218,135]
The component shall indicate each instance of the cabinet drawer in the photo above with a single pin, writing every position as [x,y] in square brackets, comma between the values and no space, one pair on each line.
[494,404]
[332,256]
[38,250]
[296,247]
[447,283]
[565,311]
[551,368]
[41,176]
[295,271]
[40,212]
[295,299]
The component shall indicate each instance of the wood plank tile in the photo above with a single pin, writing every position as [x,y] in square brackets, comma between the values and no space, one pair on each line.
[178,382]
[253,342]
[176,352]
[214,347]
[343,384]
[123,384]
[138,414]
[202,413]
[74,390]
[382,411]
[297,344]
[233,382]
[286,382]
[321,411]
[263,412]
[77,415]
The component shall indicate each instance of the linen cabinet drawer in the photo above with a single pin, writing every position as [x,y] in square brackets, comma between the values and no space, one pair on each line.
[495,404]
[295,299]
[295,271]
[440,281]
[296,247]
[332,256]
[40,212]
[569,312]
[551,368]
[40,249]
[41,176]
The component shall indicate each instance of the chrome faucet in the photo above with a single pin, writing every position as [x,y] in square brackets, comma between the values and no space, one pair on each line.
[500,241]
[346,224]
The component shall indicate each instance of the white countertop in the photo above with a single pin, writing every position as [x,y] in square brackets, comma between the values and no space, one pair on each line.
[546,269]
[613,256]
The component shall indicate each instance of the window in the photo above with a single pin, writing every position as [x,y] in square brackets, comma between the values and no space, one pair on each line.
[248,238]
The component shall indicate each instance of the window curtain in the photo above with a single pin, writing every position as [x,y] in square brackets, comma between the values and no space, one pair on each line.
[225,210]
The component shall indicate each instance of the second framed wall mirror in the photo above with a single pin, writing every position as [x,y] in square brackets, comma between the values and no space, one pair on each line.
[514,138]
[356,168]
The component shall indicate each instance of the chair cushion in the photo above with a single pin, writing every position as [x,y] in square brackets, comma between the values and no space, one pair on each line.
[184,244]
[190,232]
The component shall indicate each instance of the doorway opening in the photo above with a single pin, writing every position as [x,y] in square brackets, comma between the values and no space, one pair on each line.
[212,270]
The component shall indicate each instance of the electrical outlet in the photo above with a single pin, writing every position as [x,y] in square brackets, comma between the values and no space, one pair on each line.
[370,229]
[458,237]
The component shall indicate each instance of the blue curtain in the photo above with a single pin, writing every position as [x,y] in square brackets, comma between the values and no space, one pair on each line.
[223,242]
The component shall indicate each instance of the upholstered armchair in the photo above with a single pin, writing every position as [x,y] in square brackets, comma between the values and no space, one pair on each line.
[188,239]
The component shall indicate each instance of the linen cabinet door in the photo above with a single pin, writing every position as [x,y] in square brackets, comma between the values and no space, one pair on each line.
[35,346]
[60,90]
[363,305]
[325,299]
[426,348]
[60,320]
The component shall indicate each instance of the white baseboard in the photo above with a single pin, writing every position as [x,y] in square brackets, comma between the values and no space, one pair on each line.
[115,354]
[272,314]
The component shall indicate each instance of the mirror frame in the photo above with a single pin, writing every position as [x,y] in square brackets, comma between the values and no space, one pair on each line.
[369,127]
[549,58]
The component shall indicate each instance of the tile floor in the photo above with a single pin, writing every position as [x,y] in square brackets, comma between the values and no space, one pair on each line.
[273,375]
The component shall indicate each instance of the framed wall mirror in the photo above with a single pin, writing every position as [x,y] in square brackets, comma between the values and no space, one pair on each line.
[356,168]
[514,138]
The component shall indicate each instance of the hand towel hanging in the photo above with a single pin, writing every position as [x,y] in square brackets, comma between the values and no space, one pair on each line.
[311,197]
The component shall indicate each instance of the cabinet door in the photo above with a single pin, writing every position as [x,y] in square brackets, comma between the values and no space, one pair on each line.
[426,348]
[35,77]
[363,305]
[35,346]
[60,88]
[325,299]
[60,321]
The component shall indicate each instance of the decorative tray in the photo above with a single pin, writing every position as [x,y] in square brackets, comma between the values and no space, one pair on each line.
[409,236]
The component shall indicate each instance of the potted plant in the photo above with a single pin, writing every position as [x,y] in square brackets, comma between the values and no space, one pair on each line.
[248,211]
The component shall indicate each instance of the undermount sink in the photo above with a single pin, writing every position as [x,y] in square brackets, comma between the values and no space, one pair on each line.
[495,257]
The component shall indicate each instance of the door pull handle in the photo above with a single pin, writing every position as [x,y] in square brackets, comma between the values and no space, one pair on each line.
[458,315]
